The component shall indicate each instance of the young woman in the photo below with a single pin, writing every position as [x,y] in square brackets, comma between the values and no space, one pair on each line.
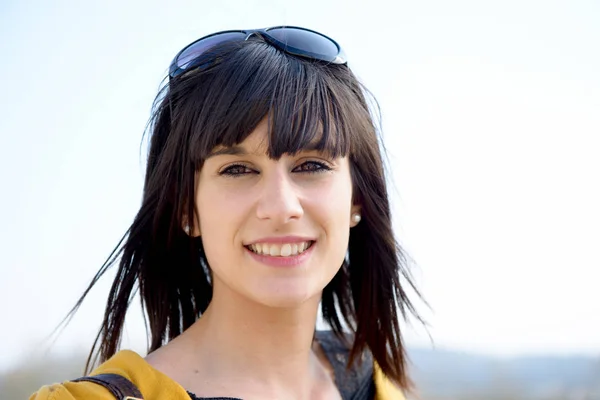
[265,199]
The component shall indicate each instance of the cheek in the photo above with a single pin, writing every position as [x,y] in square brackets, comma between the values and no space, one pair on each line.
[217,204]
[331,205]
[221,214]
[338,196]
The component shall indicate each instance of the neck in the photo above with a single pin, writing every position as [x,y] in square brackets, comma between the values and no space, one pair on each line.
[237,337]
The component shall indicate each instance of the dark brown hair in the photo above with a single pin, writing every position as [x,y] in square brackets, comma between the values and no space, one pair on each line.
[220,103]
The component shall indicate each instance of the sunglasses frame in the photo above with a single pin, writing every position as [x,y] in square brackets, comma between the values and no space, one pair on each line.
[340,58]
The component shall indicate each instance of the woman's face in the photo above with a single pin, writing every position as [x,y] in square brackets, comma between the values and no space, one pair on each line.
[274,231]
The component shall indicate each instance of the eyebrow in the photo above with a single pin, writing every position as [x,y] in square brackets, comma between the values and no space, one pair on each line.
[232,151]
[241,151]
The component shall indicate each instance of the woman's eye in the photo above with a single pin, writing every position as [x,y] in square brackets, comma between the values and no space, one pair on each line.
[236,170]
[312,166]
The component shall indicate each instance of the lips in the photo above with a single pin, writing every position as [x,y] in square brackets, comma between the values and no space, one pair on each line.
[276,251]
[280,249]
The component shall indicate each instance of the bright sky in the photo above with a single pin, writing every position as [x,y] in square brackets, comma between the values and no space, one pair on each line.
[490,114]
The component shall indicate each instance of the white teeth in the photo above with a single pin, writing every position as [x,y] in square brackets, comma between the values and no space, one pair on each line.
[286,250]
[279,250]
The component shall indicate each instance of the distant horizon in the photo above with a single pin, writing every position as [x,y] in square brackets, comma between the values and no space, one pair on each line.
[436,375]
[79,351]
[411,348]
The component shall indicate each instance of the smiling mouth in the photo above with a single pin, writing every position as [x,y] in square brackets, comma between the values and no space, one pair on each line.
[280,249]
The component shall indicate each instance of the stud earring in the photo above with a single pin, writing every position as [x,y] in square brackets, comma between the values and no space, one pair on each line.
[356,218]
[186,229]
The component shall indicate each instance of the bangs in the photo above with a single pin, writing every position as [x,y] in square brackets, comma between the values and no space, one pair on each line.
[307,104]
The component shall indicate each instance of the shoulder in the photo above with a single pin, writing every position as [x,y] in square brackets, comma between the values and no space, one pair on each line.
[151,382]
[385,389]
[72,391]
[354,380]
[363,376]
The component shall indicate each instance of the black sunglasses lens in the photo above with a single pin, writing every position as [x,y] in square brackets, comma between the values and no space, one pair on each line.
[305,42]
[202,45]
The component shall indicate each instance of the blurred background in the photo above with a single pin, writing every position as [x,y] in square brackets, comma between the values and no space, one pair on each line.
[490,114]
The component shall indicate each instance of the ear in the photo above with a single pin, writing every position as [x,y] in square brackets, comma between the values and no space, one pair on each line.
[191,231]
[354,212]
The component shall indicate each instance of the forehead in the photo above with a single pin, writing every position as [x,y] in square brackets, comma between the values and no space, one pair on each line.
[257,143]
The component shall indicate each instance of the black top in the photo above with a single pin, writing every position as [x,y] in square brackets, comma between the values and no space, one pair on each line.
[355,383]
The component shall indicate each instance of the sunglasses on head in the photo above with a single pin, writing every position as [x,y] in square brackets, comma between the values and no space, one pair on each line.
[293,40]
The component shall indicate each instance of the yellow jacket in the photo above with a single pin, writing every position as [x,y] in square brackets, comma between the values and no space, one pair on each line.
[154,385]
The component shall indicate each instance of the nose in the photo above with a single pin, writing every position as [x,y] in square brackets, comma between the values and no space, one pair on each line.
[279,199]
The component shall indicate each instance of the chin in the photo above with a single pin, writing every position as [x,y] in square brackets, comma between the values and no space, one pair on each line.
[285,297]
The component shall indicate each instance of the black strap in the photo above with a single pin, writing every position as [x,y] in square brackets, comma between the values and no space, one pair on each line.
[120,387]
